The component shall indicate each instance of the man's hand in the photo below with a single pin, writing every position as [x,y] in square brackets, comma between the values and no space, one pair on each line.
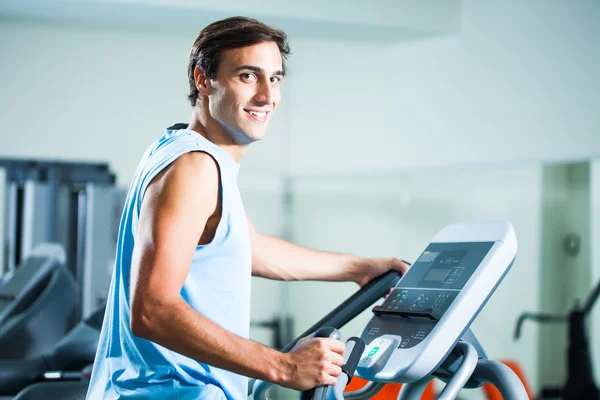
[314,362]
[371,268]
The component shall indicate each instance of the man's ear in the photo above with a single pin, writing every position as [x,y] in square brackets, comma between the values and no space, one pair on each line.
[202,82]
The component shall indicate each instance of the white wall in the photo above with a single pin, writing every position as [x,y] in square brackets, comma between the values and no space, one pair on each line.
[519,82]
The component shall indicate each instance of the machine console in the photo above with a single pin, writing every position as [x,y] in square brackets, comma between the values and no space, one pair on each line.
[433,305]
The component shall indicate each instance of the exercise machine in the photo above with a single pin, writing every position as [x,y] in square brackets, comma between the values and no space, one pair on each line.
[421,331]
[72,203]
[64,362]
[37,303]
[580,375]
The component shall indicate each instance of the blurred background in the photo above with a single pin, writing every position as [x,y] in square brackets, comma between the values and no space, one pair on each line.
[397,118]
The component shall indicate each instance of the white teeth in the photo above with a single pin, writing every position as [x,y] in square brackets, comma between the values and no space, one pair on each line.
[258,114]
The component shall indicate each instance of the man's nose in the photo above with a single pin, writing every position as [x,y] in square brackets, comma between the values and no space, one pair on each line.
[265,94]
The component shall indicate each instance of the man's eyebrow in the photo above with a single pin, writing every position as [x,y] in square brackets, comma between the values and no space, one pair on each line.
[256,69]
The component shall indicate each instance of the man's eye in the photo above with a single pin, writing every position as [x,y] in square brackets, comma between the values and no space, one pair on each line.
[248,77]
[275,79]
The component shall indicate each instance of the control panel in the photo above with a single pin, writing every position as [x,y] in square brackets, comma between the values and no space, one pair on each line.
[434,303]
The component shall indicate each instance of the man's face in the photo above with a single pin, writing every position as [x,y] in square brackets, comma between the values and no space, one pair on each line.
[245,92]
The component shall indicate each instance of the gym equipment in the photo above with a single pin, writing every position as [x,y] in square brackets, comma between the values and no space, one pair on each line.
[412,339]
[54,391]
[390,391]
[580,377]
[72,203]
[421,331]
[337,318]
[63,362]
[37,302]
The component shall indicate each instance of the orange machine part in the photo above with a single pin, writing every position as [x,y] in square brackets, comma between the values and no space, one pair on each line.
[389,391]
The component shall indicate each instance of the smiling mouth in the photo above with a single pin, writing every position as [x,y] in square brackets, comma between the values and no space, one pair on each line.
[260,116]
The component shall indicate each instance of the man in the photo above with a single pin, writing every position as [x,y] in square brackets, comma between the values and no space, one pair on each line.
[177,316]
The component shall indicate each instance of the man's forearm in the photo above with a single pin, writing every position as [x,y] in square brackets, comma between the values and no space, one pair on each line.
[275,258]
[178,327]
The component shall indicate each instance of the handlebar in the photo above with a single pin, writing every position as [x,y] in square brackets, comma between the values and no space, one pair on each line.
[353,306]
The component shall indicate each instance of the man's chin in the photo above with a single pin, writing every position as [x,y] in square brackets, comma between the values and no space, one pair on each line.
[255,136]
[247,138]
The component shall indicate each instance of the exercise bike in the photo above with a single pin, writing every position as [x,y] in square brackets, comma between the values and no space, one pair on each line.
[421,331]
[580,376]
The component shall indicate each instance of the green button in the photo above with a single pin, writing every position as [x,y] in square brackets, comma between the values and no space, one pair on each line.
[375,350]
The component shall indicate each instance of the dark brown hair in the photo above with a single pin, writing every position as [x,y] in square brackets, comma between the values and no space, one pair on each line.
[230,33]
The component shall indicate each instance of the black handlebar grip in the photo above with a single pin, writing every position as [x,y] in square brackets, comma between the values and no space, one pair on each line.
[354,305]
[355,354]
[320,393]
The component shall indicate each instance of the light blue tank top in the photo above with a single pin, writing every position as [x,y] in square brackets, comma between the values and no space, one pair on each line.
[217,286]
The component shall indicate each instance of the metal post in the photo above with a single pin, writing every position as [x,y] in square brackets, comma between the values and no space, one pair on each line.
[81,249]
[35,216]
[286,320]
[365,392]
[11,218]
[414,390]
[501,376]
[52,189]
[463,373]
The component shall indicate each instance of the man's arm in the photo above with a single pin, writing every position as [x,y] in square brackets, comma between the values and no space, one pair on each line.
[175,209]
[275,258]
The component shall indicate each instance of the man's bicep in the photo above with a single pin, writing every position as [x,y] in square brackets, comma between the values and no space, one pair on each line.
[174,212]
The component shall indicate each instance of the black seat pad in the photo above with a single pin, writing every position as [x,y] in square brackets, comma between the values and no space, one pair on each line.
[73,390]
[16,374]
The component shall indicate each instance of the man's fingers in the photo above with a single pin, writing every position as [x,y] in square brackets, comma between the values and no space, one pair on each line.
[385,296]
[305,338]
[335,345]
[335,371]
[330,380]
[330,374]
[402,266]
[337,359]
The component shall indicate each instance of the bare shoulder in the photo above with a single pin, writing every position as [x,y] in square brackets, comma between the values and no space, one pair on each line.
[191,168]
[197,159]
[194,165]
[193,177]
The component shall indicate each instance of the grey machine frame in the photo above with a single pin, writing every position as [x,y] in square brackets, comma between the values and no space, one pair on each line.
[72,203]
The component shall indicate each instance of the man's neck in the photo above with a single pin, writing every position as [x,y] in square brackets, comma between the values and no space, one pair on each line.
[204,125]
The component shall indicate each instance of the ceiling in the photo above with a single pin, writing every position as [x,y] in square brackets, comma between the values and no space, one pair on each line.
[345,20]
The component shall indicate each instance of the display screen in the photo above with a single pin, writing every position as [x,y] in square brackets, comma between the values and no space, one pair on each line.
[429,288]
[435,275]
[445,265]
